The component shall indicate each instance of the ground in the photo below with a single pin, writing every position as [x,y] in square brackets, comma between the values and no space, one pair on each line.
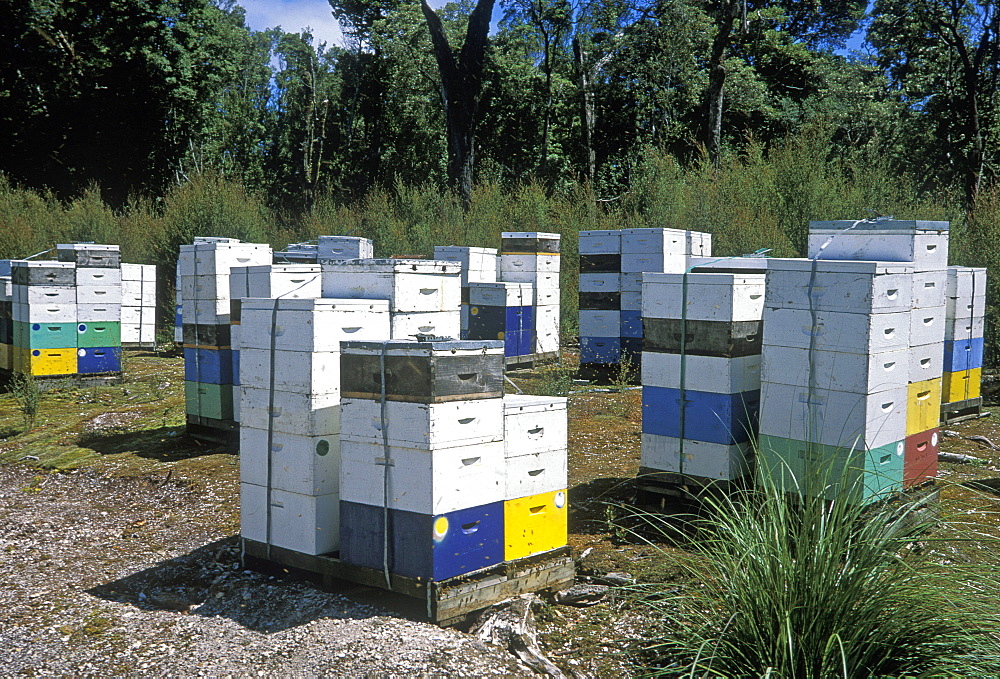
[118,551]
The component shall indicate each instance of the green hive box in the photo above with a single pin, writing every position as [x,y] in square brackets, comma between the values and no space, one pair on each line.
[94,334]
[45,335]
[862,476]
[209,400]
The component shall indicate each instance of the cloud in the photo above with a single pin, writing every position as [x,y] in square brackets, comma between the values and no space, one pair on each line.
[293,16]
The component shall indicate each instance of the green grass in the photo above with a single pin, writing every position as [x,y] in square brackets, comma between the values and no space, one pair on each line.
[800,587]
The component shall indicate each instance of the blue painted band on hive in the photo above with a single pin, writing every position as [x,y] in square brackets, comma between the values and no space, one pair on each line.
[962,355]
[600,350]
[716,418]
[211,366]
[98,360]
[631,323]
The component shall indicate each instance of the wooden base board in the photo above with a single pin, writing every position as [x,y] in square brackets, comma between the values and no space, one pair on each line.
[48,382]
[529,361]
[448,602]
[222,432]
[960,411]
[655,488]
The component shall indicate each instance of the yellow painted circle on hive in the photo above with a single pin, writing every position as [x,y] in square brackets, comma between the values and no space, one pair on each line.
[440,527]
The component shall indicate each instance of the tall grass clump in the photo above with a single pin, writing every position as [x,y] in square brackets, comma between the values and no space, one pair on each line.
[802,587]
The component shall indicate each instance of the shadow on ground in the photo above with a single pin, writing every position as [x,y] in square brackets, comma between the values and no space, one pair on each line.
[163,444]
[211,581]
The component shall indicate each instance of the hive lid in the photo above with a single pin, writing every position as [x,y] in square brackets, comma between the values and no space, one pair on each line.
[893,225]
[436,346]
[727,279]
[318,304]
[424,266]
[858,266]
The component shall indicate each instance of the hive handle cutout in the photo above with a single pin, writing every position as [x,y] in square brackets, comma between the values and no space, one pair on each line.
[536,431]
[537,510]
[467,420]
[470,528]
[467,376]
[535,472]
[469,461]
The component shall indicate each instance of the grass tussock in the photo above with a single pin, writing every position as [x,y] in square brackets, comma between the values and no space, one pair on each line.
[795,586]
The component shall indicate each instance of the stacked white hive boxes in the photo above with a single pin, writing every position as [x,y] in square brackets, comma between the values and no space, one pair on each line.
[266,281]
[611,317]
[178,306]
[963,340]
[925,245]
[479,265]
[835,374]
[427,461]
[333,248]
[205,269]
[290,415]
[423,295]
[98,304]
[139,304]
[701,372]
[533,257]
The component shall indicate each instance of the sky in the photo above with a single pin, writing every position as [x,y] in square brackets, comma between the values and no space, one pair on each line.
[293,16]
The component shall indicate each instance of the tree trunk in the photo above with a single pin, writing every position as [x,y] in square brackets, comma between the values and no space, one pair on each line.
[725,18]
[461,84]
[586,111]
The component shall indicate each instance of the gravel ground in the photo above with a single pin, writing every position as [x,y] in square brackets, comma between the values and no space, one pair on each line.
[105,576]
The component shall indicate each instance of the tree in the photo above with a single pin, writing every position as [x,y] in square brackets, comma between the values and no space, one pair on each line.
[943,58]
[461,85]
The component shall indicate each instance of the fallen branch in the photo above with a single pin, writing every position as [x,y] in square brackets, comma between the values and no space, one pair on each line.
[957,457]
[511,624]
[982,439]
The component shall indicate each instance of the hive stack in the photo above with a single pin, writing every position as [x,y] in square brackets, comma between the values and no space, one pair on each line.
[479,265]
[6,319]
[835,376]
[701,373]
[138,319]
[503,311]
[424,295]
[533,257]
[265,281]
[178,307]
[290,415]
[422,472]
[535,494]
[925,245]
[205,268]
[611,327]
[44,314]
[98,281]
[298,253]
[963,342]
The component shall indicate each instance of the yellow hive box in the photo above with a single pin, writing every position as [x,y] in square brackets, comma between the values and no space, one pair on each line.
[6,357]
[47,361]
[961,386]
[534,524]
[923,406]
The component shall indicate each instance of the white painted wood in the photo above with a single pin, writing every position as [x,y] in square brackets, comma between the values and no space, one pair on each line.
[702,373]
[666,241]
[926,361]
[295,281]
[430,349]
[631,301]
[99,294]
[208,287]
[547,328]
[965,307]
[409,285]
[135,334]
[965,282]
[303,372]
[131,272]
[535,473]
[43,294]
[631,281]
[6,290]
[600,282]
[859,373]
[547,297]
[701,458]
[538,279]
[235,333]
[136,316]
[424,481]
[598,323]
[836,331]
[206,311]
[534,424]
[239,283]
[44,313]
[138,293]
[293,413]
[710,296]
[312,324]
[437,323]
[463,313]
[927,325]
[929,288]
[302,523]
[344,247]
[852,286]
[525,263]
[424,425]
[926,249]
[88,313]
[600,242]
[964,328]
[835,418]
[217,258]
[98,276]
[530,234]
[501,294]
[307,465]
[479,265]
[747,264]
[653,262]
